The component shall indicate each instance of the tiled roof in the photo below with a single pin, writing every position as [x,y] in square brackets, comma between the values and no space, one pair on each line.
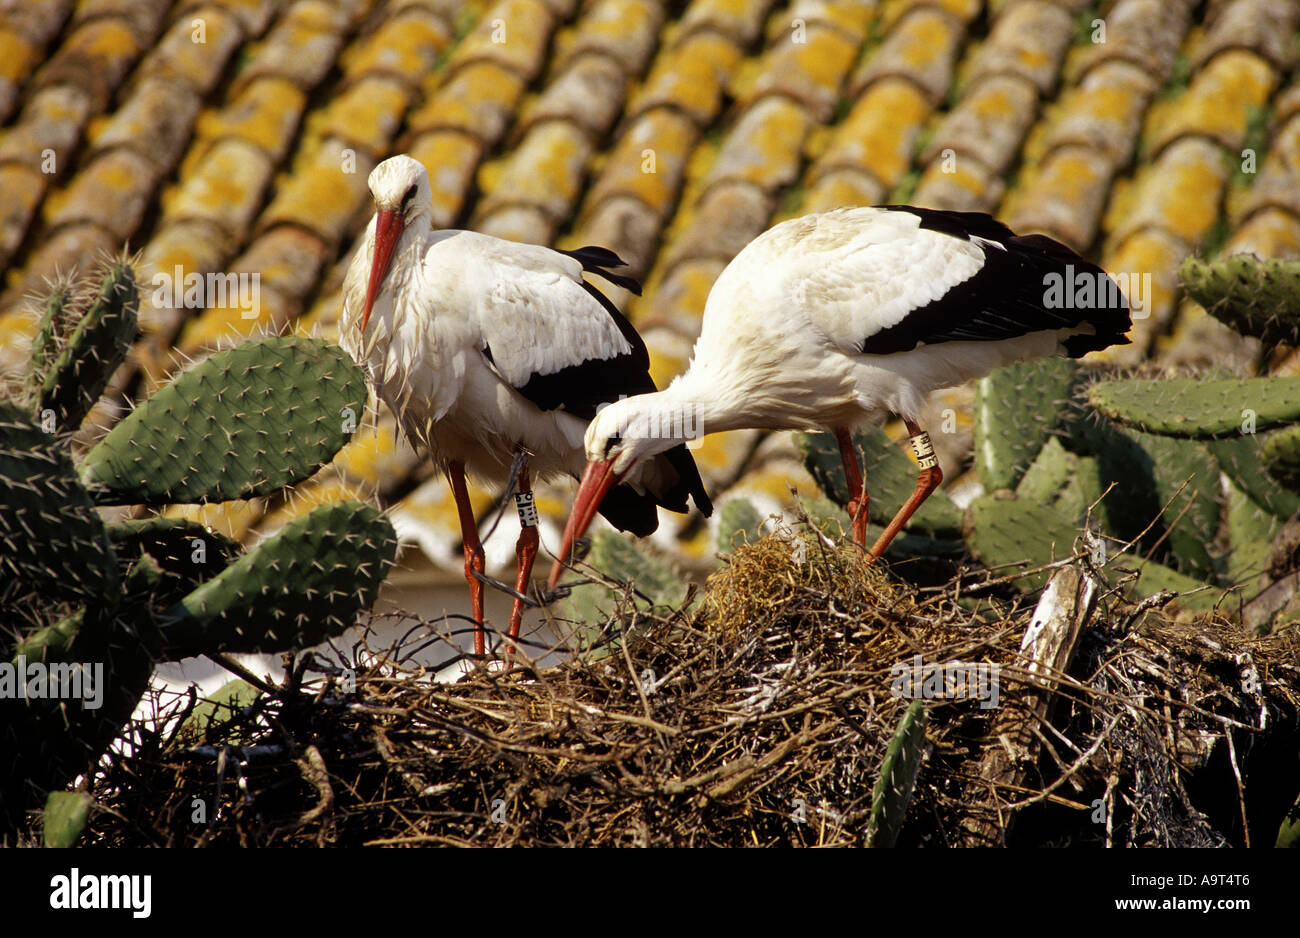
[235,136]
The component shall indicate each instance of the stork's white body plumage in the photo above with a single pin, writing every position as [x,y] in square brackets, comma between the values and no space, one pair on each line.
[494,356]
[837,320]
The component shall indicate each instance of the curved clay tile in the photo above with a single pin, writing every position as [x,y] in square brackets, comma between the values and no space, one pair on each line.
[690,77]
[738,20]
[589,94]
[1179,192]
[513,35]
[964,11]
[300,48]
[254,14]
[544,172]
[840,187]
[25,30]
[21,188]
[970,187]
[1269,232]
[765,146]
[156,122]
[809,71]
[478,100]
[1064,197]
[625,31]
[94,59]
[264,114]
[366,116]
[63,250]
[192,245]
[1218,103]
[670,352]
[1265,27]
[988,124]
[850,18]
[113,192]
[1151,251]
[648,163]
[1146,33]
[624,225]
[223,189]
[1104,111]
[1278,181]
[879,134]
[1028,41]
[197,65]
[404,48]
[323,193]
[921,47]
[678,301]
[450,157]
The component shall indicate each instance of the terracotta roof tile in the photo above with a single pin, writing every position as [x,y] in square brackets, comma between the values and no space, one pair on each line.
[921,47]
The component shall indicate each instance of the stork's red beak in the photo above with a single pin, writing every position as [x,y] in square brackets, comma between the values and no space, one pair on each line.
[388,231]
[597,480]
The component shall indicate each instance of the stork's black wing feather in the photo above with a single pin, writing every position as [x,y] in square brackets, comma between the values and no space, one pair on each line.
[1009,296]
[598,260]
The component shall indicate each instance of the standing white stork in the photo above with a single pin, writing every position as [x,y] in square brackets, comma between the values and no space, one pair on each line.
[495,355]
[837,320]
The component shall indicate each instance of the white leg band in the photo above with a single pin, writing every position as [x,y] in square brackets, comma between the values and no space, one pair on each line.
[924,450]
[527,509]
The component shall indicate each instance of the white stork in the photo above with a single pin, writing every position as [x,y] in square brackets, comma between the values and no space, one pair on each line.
[837,320]
[495,355]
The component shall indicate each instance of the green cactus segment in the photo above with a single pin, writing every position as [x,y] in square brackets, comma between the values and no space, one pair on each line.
[1187,487]
[246,422]
[184,552]
[64,817]
[1192,593]
[1014,408]
[48,336]
[891,478]
[1083,492]
[1049,473]
[1199,407]
[51,538]
[739,523]
[304,584]
[54,642]
[1259,298]
[1281,454]
[898,772]
[614,556]
[1242,461]
[98,345]
[1002,529]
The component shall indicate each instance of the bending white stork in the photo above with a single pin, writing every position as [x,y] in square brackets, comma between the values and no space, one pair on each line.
[493,355]
[837,320]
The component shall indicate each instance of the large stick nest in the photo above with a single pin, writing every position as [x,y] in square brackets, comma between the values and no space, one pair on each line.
[759,717]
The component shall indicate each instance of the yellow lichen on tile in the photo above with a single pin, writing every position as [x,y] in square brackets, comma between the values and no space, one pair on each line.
[450,157]
[649,161]
[479,99]
[406,45]
[16,55]
[1270,232]
[690,76]
[545,170]
[367,114]
[1179,192]
[1218,103]
[375,457]
[308,496]
[512,34]
[810,71]
[265,114]
[223,187]
[842,187]
[880,131]
[765,146]
[322,193]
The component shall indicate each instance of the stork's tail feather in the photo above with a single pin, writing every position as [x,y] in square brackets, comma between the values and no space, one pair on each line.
[598,260]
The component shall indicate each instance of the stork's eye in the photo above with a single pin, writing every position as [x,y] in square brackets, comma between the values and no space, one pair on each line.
[408,195]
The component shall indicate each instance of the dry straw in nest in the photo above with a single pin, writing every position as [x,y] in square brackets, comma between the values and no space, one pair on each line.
[761,719]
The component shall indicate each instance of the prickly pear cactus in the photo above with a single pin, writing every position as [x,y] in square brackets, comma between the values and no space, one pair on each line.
[52,541]
[1003,530]
[1015,408]
[1259,298]
[655,583]
[66,384]
[304,584]
[898,771]
[1242,460]
[185,554]
[738,523]
[1199,407]
[890,475]
[1281,454]
[248,421]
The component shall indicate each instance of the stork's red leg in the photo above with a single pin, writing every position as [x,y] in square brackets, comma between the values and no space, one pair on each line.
[525,551]
[928,480]
[857,487]
[473,549]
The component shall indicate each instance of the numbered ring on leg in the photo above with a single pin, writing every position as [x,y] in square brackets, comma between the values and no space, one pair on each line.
[527,509]
[924,449]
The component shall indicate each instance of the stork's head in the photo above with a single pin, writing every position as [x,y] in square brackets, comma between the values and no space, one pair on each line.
[400,187]
[622,436]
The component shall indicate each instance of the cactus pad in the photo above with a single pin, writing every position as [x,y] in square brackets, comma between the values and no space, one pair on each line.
[1015,406]
[301,586]
[185,553]
[1281,454]
[51,538]
[77,376]
[246,422]
[738,523]
[1242,460]
[1199,407]
[898,771]
[1002,529]
[1259,298]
